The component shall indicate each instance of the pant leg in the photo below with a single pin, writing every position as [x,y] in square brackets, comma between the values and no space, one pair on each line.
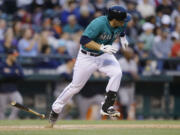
[3,105]
[15,96]
[83,69]
[111,67]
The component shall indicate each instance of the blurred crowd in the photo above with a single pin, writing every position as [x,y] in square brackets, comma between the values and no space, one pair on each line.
[54,27]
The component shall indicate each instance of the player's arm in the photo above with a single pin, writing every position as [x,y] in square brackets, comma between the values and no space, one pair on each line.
[123,39]
[88,43]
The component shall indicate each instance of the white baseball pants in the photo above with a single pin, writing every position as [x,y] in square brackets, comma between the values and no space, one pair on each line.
[84,67]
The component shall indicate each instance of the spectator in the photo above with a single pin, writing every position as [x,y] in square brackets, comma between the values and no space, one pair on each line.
[17,29]
[72,26]
[85,16]
[162,48]
[88,4]
[56,27]
[139,49]
[131,8]
[115,2]
[127,90]
[175,13]
[146,9]
[9,40]
[166,22]
[28,46]
[175,50]
[11,72]
[100,5]
[2,28]
[61,47]
[71,9]
[147,36]
[165,7]
[132,32]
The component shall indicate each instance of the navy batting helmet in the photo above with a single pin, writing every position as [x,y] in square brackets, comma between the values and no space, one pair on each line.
[119,13]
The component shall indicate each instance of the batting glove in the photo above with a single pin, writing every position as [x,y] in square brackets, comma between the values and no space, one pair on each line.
[108,49]
[124,42]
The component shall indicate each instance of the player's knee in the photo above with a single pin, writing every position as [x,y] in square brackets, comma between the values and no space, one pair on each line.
[118,74]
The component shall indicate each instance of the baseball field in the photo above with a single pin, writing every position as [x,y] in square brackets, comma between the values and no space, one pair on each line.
[77,127]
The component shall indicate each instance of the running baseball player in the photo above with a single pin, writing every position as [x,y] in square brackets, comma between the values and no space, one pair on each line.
[96,53]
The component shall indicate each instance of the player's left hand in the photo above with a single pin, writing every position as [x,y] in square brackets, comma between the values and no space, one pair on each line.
[124,42]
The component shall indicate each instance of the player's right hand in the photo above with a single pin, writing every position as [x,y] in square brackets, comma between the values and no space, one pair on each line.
[108,49]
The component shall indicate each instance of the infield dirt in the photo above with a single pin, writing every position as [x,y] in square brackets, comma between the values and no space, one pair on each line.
[89,126]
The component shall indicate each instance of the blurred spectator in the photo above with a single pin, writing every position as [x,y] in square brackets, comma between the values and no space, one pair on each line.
[127,89]
[66,69]
[9,40]
[72,26]
[175,13]
[89,106]
[146,9]
[47,23]
[175,51]
[166,22]
[115,2]
[131,8]
[97,14]
[158,32]
[2,28]
[28,46]
[24,3]
[100,5]
[165,7]
[147,36]
[11,72]
[132,32]
[71,9]
[162,48]
[37,16]
[46,49]
[139,49]
[61,47]
[17,29]
[88,4]
[85,16]
[56,27]
[45,61]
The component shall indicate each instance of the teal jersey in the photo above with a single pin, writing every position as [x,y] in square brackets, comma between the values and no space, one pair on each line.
[100,31]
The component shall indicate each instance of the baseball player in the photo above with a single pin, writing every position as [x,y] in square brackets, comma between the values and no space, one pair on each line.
[96,53]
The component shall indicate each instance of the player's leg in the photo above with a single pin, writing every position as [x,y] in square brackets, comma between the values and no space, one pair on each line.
[83,69]
[15,96]
[3,105]
[112,69]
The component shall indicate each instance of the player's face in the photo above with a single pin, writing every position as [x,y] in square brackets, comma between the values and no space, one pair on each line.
[119,23]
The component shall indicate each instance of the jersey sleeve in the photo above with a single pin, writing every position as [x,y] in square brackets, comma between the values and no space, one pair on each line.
[93,29]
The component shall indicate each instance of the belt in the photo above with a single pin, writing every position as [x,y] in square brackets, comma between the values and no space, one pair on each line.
[90,53]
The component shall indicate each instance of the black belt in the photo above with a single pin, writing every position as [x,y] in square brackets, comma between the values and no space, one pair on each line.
[90,53]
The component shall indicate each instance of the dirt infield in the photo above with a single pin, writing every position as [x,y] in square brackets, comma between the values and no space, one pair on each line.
[92,126]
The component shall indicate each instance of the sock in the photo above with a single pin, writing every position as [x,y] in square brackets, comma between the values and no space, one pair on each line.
[109,100]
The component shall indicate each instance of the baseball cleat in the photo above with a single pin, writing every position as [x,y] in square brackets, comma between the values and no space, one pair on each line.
[110,112]
[52,119]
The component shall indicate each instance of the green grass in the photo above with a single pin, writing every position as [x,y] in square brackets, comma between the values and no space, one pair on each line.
[106,131]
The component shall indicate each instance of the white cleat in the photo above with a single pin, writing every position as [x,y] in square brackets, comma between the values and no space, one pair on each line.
[110,112]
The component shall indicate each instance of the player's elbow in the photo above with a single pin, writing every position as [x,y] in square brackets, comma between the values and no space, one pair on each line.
[84,40]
